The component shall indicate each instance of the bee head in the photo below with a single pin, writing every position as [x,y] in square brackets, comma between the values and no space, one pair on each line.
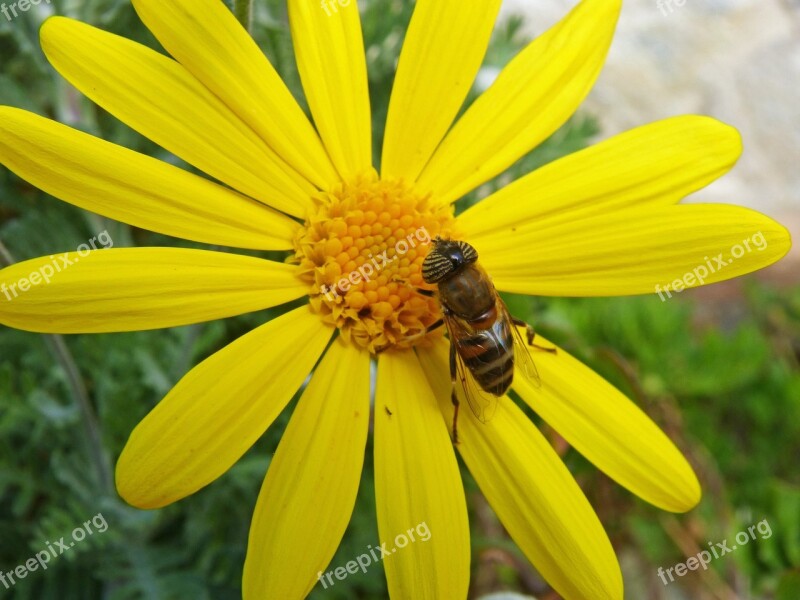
[447,258]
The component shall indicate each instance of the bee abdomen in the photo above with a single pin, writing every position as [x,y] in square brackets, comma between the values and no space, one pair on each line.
[492,370]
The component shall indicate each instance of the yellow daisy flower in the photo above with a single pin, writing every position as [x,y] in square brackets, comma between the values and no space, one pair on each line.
[603,221]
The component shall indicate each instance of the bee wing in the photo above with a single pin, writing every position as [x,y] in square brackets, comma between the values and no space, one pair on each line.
[482,403]
[523,360]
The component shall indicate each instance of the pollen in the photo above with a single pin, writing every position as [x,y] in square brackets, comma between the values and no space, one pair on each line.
[361,253]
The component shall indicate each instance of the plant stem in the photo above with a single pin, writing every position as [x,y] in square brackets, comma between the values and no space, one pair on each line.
[5,255]
[243,9]
[89,421]
[80,395]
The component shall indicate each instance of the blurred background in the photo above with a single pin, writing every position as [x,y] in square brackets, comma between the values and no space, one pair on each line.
[718,368]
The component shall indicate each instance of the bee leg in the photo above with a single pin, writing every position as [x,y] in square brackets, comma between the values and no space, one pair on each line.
[416,336]
[434,326]
[453,392]
[455,416]
[531,334]
[420,291]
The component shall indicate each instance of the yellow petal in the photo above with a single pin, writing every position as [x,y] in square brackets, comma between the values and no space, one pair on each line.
[127,186]
[209,42]
[532,493]
[660,250]
[218,410]
[609,430]
[418,487]
[161,100]
[129,289]
[442,52]
[653,165]
[532,97]
[294,535]
[330,57]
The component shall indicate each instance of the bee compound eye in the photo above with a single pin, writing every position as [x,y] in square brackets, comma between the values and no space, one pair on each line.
[436,267]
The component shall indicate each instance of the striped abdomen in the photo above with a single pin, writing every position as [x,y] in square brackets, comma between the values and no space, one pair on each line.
[488,352]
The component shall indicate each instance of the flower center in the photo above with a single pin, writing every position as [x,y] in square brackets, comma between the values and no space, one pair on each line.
[361,252]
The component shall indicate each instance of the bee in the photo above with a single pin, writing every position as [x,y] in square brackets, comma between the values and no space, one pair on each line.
[485,343]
